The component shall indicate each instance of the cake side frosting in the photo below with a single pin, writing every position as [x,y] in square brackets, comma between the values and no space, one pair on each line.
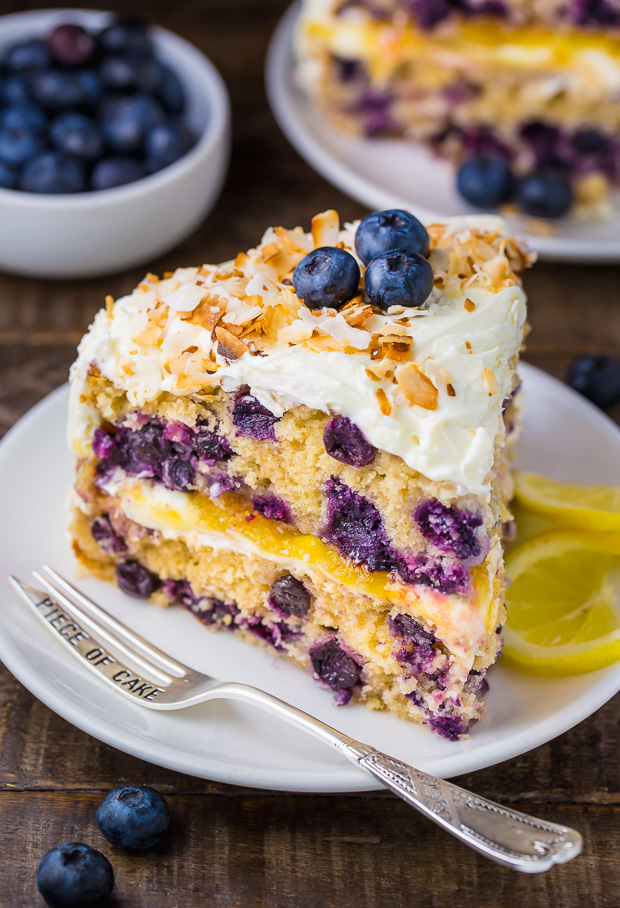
[427,385]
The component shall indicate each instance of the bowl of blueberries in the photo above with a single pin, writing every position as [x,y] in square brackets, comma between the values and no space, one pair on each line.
[114,142]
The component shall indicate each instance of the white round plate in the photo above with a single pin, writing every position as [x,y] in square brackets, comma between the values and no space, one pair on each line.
[564,437]
[389,173]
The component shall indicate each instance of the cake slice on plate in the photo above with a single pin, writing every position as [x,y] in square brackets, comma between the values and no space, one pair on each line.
[534,82]
[308,446]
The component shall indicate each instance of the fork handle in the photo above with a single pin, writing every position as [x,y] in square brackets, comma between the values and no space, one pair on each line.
[507,836]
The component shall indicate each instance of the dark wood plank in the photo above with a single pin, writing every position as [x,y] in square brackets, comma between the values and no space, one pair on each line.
[306,852]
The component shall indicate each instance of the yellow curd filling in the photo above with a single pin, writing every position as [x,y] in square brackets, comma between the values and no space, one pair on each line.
[461,622]
[384,46]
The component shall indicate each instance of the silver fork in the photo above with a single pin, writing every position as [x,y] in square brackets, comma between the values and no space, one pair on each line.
[151,678]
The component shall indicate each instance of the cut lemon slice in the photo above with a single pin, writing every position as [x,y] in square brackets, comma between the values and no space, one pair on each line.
[589,507]
[561,603]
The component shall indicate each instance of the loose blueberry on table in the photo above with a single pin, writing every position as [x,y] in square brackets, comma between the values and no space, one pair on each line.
[133,817]
[75,876]
[597,377]
[82,110]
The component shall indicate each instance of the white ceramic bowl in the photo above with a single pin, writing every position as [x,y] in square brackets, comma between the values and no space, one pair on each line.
[95,233]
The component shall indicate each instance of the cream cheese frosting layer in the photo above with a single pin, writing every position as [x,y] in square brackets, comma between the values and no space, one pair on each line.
[240,324]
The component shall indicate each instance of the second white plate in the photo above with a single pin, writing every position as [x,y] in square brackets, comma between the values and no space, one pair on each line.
[564,437]
[396,174]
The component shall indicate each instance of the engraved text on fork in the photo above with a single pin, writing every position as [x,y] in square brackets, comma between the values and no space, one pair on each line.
[66,627]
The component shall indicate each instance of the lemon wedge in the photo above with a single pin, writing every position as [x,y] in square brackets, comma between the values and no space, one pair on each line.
[588,507]
[562,603]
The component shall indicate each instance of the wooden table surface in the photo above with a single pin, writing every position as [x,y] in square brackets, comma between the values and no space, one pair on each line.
[235,847]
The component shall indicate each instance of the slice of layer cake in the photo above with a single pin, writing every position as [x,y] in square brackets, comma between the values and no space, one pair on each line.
[323,472]
[534,82]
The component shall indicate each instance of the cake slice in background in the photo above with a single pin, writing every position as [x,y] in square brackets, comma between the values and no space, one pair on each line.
[534,84]
[323,472]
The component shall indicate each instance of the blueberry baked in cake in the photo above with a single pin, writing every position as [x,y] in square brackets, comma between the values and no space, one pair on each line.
[531,84]
[309,446]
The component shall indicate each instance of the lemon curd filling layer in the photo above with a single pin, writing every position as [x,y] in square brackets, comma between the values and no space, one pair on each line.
[384,46]
[462,623]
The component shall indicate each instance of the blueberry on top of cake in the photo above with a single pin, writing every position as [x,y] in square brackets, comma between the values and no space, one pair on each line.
[308,445]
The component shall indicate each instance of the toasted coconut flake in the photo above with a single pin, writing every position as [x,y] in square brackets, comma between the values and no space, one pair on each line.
[228,346]
[208,313]
[295,332]
[372,375]
[397,348]
[416,386]
[109,305]
[288,239]
[149,336]
[384,405]
[469,305]
[450,390]
[325,228]
[269,251]
[490,382]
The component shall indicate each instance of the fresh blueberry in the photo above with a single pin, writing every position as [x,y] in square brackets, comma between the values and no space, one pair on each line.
[126,74]
[23,114]
[126,35]
[8,176]
[545,194]
[53,172]
[77,135]
[70,45]
[392,229]
[75,876]
[116,171]
[171,92]
[333,666]
[136,580]
[28,55]
[133,817]
[288,596]
[13,89]
[126,121]
[59,89]
[167,143]
[252,419]
[399,278]
[19,144]
[597,377]
[485,180]
[345,442]
[328,277]
[90,87]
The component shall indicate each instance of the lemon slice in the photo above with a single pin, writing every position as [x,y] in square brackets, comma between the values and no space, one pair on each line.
[589,507]
[562,603]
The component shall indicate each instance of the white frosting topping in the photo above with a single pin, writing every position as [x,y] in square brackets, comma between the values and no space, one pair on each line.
[462,343]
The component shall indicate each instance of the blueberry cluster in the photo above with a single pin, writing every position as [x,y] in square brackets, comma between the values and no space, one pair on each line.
[75,875]
[392,244]
[487,181]
[83,111]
